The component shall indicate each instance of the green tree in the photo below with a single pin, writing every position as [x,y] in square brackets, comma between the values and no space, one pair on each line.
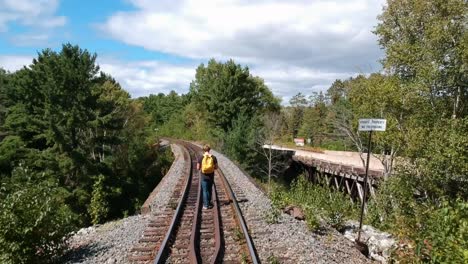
[426,44]
[442,167]
[53,103]
[66,119]
[99,206]
[380,96]
[424,98]
[162,107]
[87,147]
[314,123]
[237,139]
[110,116]
[226,91]
[298,104]
[337,91]
[3,103]
[11,150]
[343,118]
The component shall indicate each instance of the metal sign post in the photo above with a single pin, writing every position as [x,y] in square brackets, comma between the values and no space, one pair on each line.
[368,125]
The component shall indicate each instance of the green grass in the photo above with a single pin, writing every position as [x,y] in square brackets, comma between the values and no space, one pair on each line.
[320,204]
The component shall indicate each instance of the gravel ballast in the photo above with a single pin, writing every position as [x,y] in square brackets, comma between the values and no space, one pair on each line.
[288,240]
[111,242]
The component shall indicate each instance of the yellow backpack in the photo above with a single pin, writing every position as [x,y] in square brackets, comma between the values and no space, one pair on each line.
[207,164]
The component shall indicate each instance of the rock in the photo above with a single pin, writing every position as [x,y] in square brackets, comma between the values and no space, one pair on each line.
[298,214]
[295,212]
[380,243]
[380,246]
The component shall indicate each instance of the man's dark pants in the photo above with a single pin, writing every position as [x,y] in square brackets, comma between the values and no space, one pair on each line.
[207,185]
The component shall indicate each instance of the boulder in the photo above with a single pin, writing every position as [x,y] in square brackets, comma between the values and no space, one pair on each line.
[295,212]
[380,243]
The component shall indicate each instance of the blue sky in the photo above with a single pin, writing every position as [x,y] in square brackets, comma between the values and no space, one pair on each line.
[155,46]
[82,27]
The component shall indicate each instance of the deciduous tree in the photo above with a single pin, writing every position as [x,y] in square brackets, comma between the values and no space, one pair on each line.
[227,90]
[426,44]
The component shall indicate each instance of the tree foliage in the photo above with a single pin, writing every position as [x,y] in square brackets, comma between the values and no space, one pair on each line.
[34,217]
[85,145]
[162,107]
[426,44]
[227,90]
[314,125]
[3,98]
[424,95]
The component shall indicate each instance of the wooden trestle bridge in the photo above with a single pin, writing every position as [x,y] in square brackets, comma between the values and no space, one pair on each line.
[344,177]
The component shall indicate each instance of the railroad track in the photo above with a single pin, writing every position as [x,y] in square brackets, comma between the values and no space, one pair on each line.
[186,233]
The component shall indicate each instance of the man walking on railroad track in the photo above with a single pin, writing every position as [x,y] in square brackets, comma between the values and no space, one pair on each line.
[207,165]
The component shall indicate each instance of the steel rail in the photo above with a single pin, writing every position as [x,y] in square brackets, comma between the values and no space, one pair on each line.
[216,219]
[162,253]
[193,256]
[240,218]
[194,252]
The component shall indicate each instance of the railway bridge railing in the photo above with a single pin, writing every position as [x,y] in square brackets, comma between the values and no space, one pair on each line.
[346,178]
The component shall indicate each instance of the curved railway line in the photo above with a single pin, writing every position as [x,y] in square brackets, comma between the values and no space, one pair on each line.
[186,233]
[172,228]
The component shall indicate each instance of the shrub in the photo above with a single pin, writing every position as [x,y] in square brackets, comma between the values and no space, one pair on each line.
[34,219]
[272,259]
[444,164]
[99,207]
[444,238]
[312,218]
[437,230]
[394,204]
[318,203]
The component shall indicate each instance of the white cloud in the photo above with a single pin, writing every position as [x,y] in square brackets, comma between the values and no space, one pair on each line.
[141,78]
[296,45]
[300,32]
[149,77]
[30,39]
[152,77]
[286,81]
[35,13]
[13,63]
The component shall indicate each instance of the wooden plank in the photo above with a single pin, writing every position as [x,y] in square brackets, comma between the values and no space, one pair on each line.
[336,183]
[350,191]
[326,173]
[341,181]
[372,191]
[348,188]
[352,185]
[360,192]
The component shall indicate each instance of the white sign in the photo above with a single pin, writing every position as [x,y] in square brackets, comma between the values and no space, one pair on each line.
[372,124]
[299,142]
